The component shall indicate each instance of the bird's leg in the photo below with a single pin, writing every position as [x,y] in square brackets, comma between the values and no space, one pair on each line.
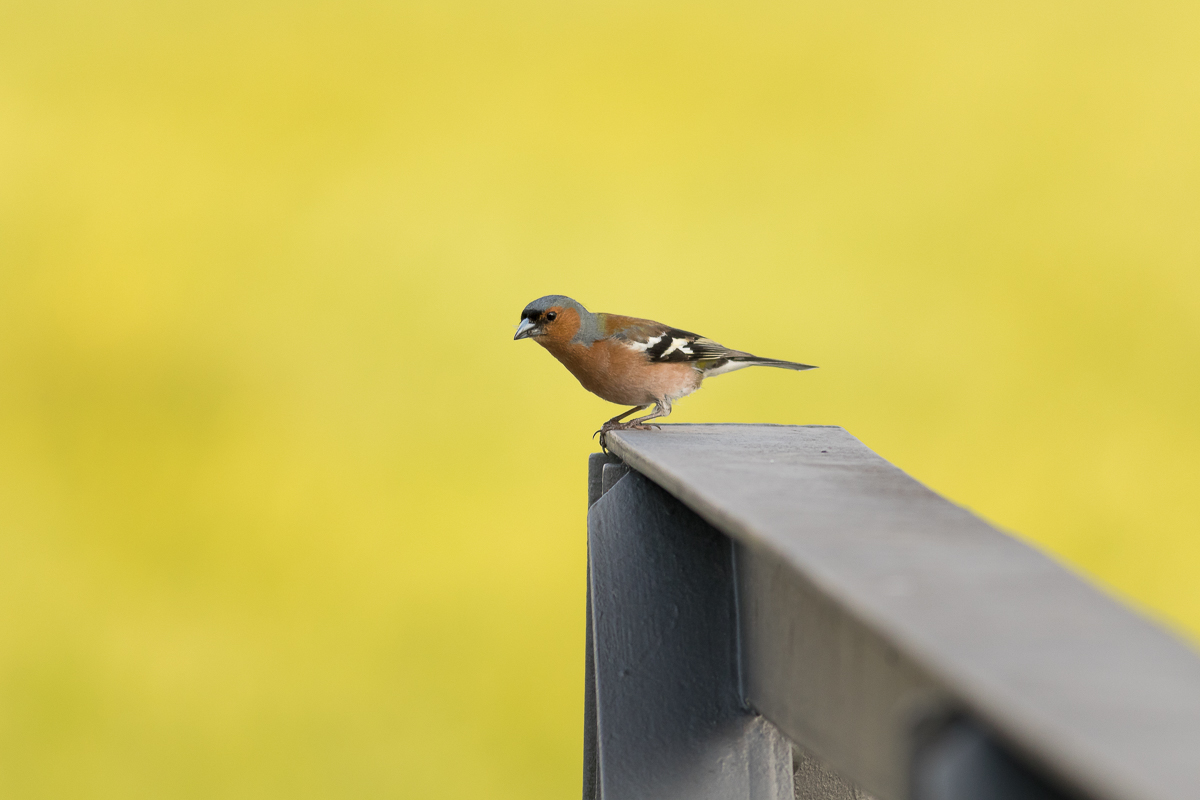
[615,420]
[661,409]
[615,424]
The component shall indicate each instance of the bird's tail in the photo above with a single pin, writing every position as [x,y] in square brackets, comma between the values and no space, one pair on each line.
[755,361]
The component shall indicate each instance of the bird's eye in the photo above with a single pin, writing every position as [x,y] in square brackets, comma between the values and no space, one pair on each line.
[550,316]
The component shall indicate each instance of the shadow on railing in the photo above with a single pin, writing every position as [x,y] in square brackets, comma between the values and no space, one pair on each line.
[777,612]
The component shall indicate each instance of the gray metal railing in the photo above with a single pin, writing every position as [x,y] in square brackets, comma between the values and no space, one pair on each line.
[775,611]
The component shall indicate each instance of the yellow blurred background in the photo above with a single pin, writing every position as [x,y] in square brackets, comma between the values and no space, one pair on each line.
[286,513]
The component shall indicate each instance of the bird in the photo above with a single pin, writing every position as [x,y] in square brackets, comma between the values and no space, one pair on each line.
[631,361]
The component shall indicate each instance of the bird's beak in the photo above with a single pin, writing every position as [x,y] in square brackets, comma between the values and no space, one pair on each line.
[525,330]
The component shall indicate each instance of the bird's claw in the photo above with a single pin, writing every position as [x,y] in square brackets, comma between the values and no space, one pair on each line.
[607,427]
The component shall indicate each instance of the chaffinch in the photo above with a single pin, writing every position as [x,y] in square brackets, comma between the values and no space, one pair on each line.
[631,361]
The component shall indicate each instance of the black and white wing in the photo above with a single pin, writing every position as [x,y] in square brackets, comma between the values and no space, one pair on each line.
[664,345]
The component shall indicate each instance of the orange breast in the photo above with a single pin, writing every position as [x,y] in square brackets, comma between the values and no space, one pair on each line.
[620,374]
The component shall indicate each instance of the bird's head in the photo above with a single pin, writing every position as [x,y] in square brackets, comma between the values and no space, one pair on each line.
[553,317]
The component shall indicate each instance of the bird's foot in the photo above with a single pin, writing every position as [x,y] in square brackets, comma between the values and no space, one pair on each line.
[610,426]
[625,426]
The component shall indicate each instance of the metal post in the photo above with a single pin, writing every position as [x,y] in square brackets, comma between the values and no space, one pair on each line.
[668,722]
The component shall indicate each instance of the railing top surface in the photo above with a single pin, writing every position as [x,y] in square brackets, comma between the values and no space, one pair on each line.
[1099,694]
